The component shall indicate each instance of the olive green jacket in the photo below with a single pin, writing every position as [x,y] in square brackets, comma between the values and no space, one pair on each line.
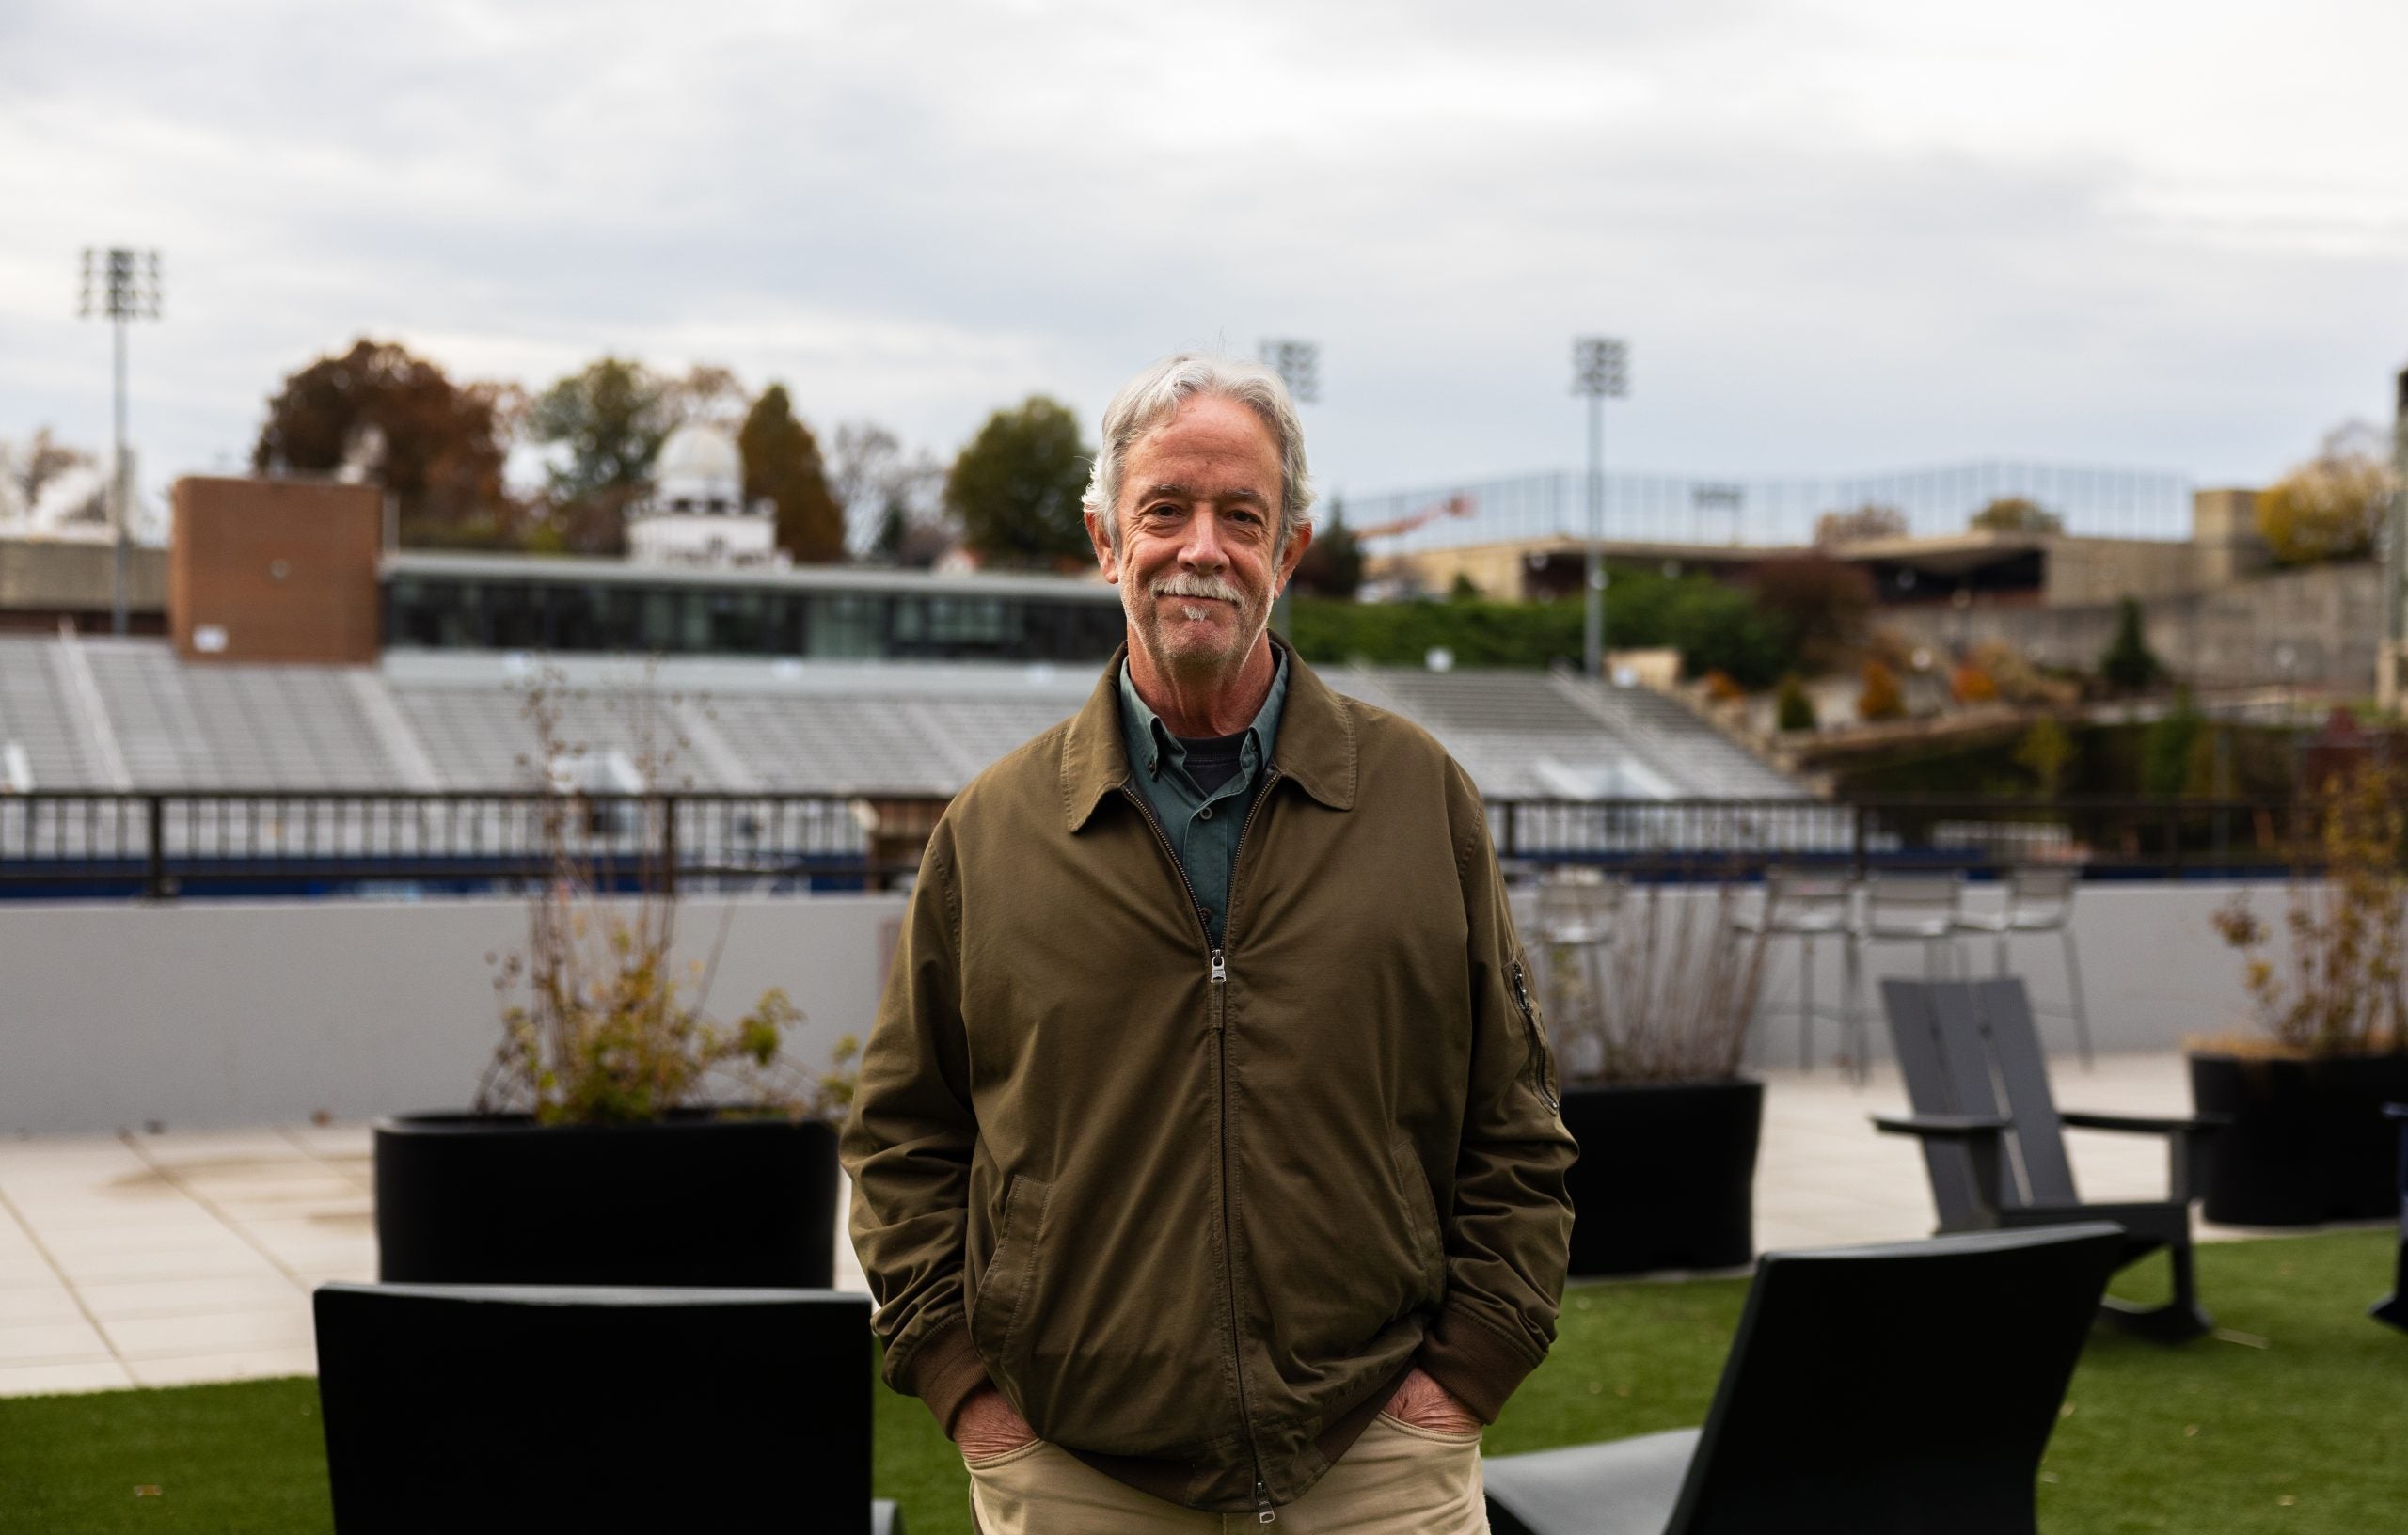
[1197,1211]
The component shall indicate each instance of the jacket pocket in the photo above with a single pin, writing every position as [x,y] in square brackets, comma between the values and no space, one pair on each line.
[1421,1213]
[1003,1285]
[1540,1068]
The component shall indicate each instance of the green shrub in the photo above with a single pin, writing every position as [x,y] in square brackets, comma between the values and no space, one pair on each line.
[1715,627]
[2128,663]
[1791,708]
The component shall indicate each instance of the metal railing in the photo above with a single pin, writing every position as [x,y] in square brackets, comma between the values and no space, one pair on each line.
[159,845]
[165,843]
[1708,838]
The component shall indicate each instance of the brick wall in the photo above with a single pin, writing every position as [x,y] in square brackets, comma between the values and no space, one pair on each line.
[275,570]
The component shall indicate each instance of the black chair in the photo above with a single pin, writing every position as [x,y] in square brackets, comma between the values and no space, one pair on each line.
[505,1408]
[1993,1139]
[1855,1402]
[2393,1308]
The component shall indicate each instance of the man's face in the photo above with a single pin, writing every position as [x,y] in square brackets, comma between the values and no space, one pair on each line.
[1199,522]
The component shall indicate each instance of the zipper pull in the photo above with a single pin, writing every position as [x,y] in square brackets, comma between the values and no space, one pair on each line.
[1220,968]
[1264,1513]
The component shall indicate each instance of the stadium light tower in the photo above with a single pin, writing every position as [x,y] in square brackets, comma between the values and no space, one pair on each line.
[1600,368]
[122,286]
[1298,365]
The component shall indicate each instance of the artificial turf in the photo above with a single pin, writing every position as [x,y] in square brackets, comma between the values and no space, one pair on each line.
[2293,1419]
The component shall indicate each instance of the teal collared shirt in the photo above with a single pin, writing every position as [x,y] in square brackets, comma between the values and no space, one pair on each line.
[1203,827]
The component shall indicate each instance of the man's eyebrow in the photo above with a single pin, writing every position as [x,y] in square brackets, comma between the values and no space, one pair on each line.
[1173,490]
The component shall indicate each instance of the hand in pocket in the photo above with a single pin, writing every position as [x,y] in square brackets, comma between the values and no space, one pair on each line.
[1424,1403]
[989,1425]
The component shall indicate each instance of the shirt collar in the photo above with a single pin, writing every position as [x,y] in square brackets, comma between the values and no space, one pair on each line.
[1318,744]
[1152,747]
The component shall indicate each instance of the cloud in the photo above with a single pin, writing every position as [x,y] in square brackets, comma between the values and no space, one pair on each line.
[1839,235]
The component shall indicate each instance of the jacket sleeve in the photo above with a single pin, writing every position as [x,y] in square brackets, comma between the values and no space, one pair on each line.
[1509,1233]
[907,1148]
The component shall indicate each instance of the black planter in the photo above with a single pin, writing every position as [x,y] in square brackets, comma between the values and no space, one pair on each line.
[497,1199]
[1667,1173]
[2393,1308]
[2306,1141]
[466,1409]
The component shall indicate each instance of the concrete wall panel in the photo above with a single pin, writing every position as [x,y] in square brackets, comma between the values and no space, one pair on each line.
[212,1013]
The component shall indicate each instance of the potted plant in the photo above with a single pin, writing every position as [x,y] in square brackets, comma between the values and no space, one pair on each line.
[2307,1140]
[1652,1013]
[620,1135]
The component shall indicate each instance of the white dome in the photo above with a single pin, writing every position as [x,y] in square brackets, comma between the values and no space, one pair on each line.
[699,452]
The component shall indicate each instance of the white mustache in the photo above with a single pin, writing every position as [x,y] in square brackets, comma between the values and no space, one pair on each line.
[1190,585]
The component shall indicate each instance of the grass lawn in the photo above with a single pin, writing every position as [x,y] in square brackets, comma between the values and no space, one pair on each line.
[2296,1420]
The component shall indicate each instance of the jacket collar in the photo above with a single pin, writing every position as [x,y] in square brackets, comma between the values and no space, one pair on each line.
[1316,745]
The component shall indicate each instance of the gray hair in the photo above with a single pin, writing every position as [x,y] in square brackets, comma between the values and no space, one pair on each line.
[1155,395]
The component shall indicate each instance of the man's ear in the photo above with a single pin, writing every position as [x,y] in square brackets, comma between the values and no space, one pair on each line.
[1298,542]
[1107,559]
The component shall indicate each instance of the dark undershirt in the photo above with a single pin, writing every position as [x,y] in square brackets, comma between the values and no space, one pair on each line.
[1212,760]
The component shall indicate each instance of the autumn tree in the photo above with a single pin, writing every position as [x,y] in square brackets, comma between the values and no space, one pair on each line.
[1016,488]
[710,394]
[2015,515]
[1820,603]
[2332,506]
[782,465]
[1881,697]
[1865,523]
[399,420]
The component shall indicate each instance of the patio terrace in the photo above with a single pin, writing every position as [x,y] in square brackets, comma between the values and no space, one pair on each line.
[165,1258]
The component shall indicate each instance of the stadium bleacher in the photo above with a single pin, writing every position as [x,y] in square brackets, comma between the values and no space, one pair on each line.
[38,719]
[115,713]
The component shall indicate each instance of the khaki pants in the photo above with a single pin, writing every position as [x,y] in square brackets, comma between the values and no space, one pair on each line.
[1397,1480]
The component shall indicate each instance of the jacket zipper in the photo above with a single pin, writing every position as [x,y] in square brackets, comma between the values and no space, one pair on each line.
[1216,971]
[1537,1040]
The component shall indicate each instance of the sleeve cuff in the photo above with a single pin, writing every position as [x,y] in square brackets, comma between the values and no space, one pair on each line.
[1477,1364]
[944,1369]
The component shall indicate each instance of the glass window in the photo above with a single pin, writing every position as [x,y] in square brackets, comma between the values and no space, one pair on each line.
[736,621]
[659,630]
[846,625]
[514,616]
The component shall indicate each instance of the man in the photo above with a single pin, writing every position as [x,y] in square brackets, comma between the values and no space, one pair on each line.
[1206,1156]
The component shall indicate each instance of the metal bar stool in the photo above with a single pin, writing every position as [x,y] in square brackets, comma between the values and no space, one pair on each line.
[1803,904]
[1576,910]
[2040,900]
[1922,909]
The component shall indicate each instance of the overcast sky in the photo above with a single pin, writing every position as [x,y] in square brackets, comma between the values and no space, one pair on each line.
[1839,235]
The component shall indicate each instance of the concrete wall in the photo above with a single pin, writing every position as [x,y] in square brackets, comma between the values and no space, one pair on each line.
[221,1013]
[44,578]
[2155,973]
[226,1013]
[2086,571]
[2329,616]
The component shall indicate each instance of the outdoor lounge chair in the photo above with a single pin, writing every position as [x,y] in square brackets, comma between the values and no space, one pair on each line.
[1993,1139]
[1855,1400]
[468,1409]
[2393,1308]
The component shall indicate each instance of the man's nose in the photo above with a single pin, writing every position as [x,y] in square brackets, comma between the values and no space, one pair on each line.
[1203,548]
